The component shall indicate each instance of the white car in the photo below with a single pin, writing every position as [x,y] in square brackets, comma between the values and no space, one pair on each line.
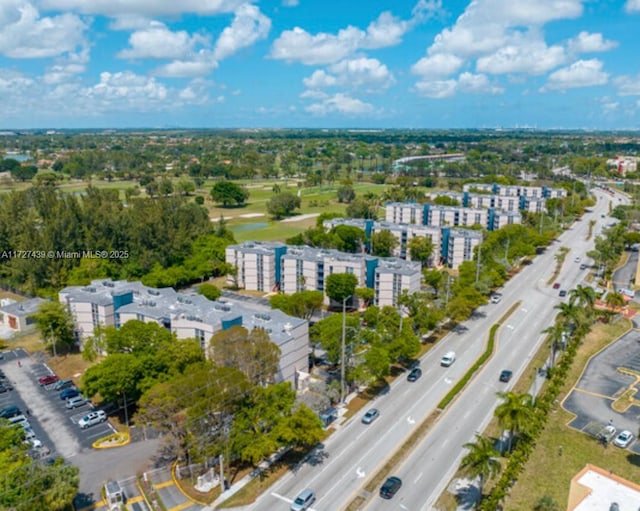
[448,359]
[496,297]
[623,439]
[92,418]
[20,420]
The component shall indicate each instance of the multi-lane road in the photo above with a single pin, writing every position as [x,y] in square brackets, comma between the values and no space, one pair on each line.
[340,470]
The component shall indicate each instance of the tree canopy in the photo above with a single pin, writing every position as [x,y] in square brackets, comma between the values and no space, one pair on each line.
[229,193]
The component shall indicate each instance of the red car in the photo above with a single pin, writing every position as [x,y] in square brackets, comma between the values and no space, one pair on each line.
[556,285]
[48,380]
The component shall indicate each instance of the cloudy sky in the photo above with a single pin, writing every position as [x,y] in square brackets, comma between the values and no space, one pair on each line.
[320,63]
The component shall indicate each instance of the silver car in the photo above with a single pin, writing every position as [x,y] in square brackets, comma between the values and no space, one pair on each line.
[370,416]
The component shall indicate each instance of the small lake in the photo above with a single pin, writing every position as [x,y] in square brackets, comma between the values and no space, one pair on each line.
[248,227]
[18,157]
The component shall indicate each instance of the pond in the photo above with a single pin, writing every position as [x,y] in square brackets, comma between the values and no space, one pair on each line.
[248,227]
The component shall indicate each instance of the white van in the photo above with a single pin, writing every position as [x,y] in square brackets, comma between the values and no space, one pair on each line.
[20,420]
[448,359]
[304,500]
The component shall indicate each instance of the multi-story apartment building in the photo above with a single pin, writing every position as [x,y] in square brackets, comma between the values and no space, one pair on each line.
[18,316]
[113,303]
[405,213]
[459,245]
[534,192]
[392,277]
[257,264]
[501,218]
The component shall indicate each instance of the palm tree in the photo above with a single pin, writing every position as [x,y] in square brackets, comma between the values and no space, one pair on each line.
[515,413]
[481,460]
[583,296]
[569,313]
[556,336]
[614,300]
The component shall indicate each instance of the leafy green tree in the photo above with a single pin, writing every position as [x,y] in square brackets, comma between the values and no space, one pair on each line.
[283,204]
[365,294]
[209,291]
[383,243]
[253,353]
[350,238]
[346,194]
[583,296]
[328,332]
[229,194]
[420,249]
[137,337]
[376,365]
[24,172]
[118,374]
[481,460]
[340,286]
[556,335]
[303,304]
[268,419]
[55,324]
[363,208]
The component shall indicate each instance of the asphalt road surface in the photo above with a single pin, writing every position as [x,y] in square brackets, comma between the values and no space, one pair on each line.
[339,471]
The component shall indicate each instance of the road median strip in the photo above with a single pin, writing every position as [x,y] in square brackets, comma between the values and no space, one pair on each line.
[420,432]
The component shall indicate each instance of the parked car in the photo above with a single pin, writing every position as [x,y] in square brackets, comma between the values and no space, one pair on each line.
[415,373]
[390,487]
[92,418]
[48,380]
[577,259]
[556,285]
[623,439]
[303,500]
[69,393]
[607,434]
[5,386]
[370,416]
[76,402]
[506,375]
[563,292]
[9,411]
[448,359]
[63,384]
[20,420]
[583,266]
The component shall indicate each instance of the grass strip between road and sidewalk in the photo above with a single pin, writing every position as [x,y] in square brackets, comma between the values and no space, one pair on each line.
[419,433]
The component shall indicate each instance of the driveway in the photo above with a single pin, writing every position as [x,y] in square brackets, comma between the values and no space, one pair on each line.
[602,383]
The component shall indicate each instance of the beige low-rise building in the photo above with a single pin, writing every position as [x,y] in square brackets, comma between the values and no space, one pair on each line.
[596,489]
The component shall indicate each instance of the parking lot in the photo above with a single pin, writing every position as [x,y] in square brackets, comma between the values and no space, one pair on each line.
[601,384]
[53,424]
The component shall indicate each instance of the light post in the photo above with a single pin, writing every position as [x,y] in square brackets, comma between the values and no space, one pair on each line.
[343,348]
[126,415]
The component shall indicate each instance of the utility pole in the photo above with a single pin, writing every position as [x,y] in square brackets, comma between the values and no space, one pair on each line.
[343,348]
[222,488]
[126,413]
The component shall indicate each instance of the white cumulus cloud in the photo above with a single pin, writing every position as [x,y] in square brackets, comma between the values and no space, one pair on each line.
[582,73]
[522,55]
[158,42]
[340,103]
[586,42]
[627,85]
[143,8]
[354,73]
[248,26]
[25,34]
[632,6]
[469,83]
[440,64]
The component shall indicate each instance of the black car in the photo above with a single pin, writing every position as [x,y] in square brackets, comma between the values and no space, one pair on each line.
[10,411]
[390,487]
[415,373]
[5,386]
[506,375]
[563,292]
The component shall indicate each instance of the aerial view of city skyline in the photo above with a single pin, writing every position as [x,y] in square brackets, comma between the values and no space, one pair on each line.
[302,63]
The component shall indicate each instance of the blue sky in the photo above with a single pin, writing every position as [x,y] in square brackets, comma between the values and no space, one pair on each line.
[320,63]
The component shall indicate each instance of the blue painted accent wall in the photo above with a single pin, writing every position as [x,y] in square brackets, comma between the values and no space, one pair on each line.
[279,252]
[371,272]
[123,299]
[226,324]
[490,218]
[444,248]
[465,199]
[425,214]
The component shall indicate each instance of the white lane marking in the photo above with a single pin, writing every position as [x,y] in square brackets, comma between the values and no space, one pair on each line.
[360,473]
[447,381]
[510,327]
[278,496]
[523,309]
[410,420]
[466,414]
[418,478]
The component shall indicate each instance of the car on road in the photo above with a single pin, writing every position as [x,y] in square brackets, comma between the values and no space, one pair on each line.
[448,359]
[623,439]
[9,411]
[48,380]
[390,487]
[496,297]
[563,292]
[370,416]
[506,375]
[303,500]
[5,386]
[69,393]
[415,373]
[76,402]
[583,266]
[556,285]
[577,259]
[92,418]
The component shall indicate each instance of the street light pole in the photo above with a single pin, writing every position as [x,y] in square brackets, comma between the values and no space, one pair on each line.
[343,349]
[126,415]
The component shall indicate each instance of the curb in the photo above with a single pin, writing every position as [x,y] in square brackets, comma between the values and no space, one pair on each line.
[179,486]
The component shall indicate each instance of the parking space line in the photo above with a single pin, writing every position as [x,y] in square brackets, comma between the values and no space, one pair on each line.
[165,484]
[179,507]
[595,394]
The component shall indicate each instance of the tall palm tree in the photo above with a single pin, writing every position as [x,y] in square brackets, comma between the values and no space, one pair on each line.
[481,460]
[569,314]
[614,300]
[583,296]
[515,413]
[556,334]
